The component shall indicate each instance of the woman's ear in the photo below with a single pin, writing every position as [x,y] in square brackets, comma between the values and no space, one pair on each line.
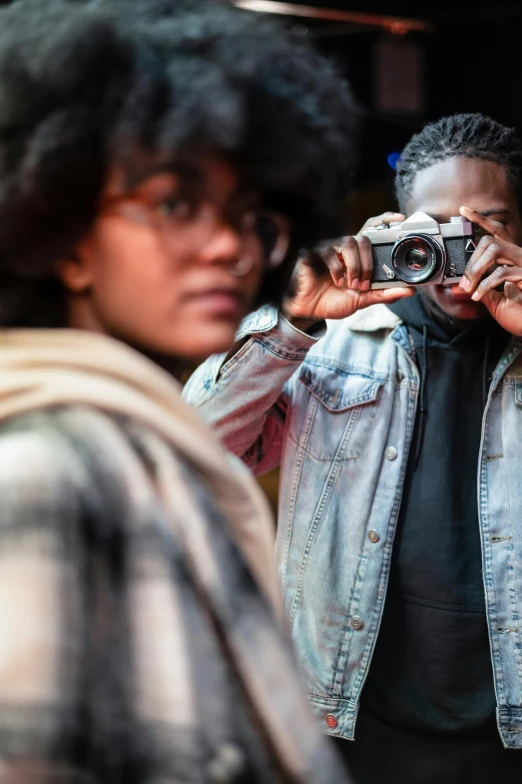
[75,272]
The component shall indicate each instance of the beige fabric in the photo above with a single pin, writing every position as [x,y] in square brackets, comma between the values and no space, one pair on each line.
[54,367]
[372,319]
[151,451]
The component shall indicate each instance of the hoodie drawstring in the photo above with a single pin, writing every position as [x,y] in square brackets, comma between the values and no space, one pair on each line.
[422,411]
[485,372]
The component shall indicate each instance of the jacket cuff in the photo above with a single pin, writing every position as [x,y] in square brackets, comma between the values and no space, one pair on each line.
[273,330]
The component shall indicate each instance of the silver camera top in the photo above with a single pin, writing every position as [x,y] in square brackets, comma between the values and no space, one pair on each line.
[419,222]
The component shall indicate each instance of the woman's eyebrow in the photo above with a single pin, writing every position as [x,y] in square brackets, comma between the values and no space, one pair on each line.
[184,170]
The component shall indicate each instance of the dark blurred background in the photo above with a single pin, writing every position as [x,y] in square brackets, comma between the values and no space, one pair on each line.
[457,60]
[410,63]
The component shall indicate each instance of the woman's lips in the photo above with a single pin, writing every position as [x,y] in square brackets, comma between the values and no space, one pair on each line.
[219,302]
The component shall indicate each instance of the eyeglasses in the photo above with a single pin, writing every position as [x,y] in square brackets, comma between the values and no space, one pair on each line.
[190,224]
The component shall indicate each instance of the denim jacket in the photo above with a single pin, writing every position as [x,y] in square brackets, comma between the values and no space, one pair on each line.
[337,411]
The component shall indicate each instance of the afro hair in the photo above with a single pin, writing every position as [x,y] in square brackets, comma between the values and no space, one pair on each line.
[86,85]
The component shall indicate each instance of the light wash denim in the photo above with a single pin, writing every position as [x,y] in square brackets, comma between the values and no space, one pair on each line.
[336,411]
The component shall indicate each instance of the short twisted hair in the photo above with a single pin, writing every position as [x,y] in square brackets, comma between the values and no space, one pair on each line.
[88,84]
[465,135]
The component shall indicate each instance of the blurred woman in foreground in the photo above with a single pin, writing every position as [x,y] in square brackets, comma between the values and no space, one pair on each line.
[158,172]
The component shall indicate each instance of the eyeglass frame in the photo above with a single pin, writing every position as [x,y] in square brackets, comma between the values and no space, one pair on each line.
[208,213]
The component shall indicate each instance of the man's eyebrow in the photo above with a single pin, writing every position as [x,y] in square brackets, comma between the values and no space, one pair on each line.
[485,214]
[494,211]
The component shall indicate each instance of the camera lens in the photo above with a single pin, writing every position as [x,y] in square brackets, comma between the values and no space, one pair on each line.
[416,258]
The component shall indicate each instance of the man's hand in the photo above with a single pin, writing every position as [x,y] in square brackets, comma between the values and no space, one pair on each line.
[497,260]
[335,283]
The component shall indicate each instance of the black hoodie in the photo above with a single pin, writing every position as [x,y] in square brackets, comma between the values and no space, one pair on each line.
[431,670]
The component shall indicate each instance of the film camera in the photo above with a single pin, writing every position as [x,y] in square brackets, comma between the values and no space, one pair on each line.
[420,251]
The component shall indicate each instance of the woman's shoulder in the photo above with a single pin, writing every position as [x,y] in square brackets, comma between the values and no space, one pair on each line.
[61,452]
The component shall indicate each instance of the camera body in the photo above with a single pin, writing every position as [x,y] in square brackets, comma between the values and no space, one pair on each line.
[420,252]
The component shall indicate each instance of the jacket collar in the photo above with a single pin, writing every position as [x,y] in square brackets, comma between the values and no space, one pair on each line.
[372,319]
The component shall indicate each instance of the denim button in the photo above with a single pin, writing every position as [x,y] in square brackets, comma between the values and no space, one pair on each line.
[330,720]
[227,765]
[373,536]
[390,453]
[356,622]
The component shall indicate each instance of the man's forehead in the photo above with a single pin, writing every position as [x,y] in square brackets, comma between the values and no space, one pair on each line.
[482,179]
[443,188]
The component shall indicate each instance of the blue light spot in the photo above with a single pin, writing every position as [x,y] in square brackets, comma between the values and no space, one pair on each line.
[393,159]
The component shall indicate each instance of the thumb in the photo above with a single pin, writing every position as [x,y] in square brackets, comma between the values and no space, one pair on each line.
[512,292]
[374,296]
[492,300]
[506,311]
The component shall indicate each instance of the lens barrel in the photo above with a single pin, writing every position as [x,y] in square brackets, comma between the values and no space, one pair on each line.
[417,258]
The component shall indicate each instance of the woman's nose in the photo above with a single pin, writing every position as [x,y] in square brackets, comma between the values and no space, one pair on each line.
[224,246]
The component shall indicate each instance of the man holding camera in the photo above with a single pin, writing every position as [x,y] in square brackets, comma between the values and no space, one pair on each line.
[398,428]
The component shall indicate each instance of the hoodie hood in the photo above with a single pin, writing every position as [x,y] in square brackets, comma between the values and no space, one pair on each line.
[418,312]
[47,368]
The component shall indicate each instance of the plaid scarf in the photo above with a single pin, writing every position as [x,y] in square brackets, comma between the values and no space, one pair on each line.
[142,631]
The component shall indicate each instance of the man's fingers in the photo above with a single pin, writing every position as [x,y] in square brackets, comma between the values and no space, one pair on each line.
[333,259]
[366,261]
[501,274]
[495,228]
[490,251]
[484,257]
[386,217]
[350,259]
[356,253]
[349,251]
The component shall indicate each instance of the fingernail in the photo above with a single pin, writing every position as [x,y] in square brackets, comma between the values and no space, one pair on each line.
[365,285]
[464,284]
[355,283]
[341,282]
[475,296]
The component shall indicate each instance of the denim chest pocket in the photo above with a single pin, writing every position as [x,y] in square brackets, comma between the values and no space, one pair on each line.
[334,415]
[518,394]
